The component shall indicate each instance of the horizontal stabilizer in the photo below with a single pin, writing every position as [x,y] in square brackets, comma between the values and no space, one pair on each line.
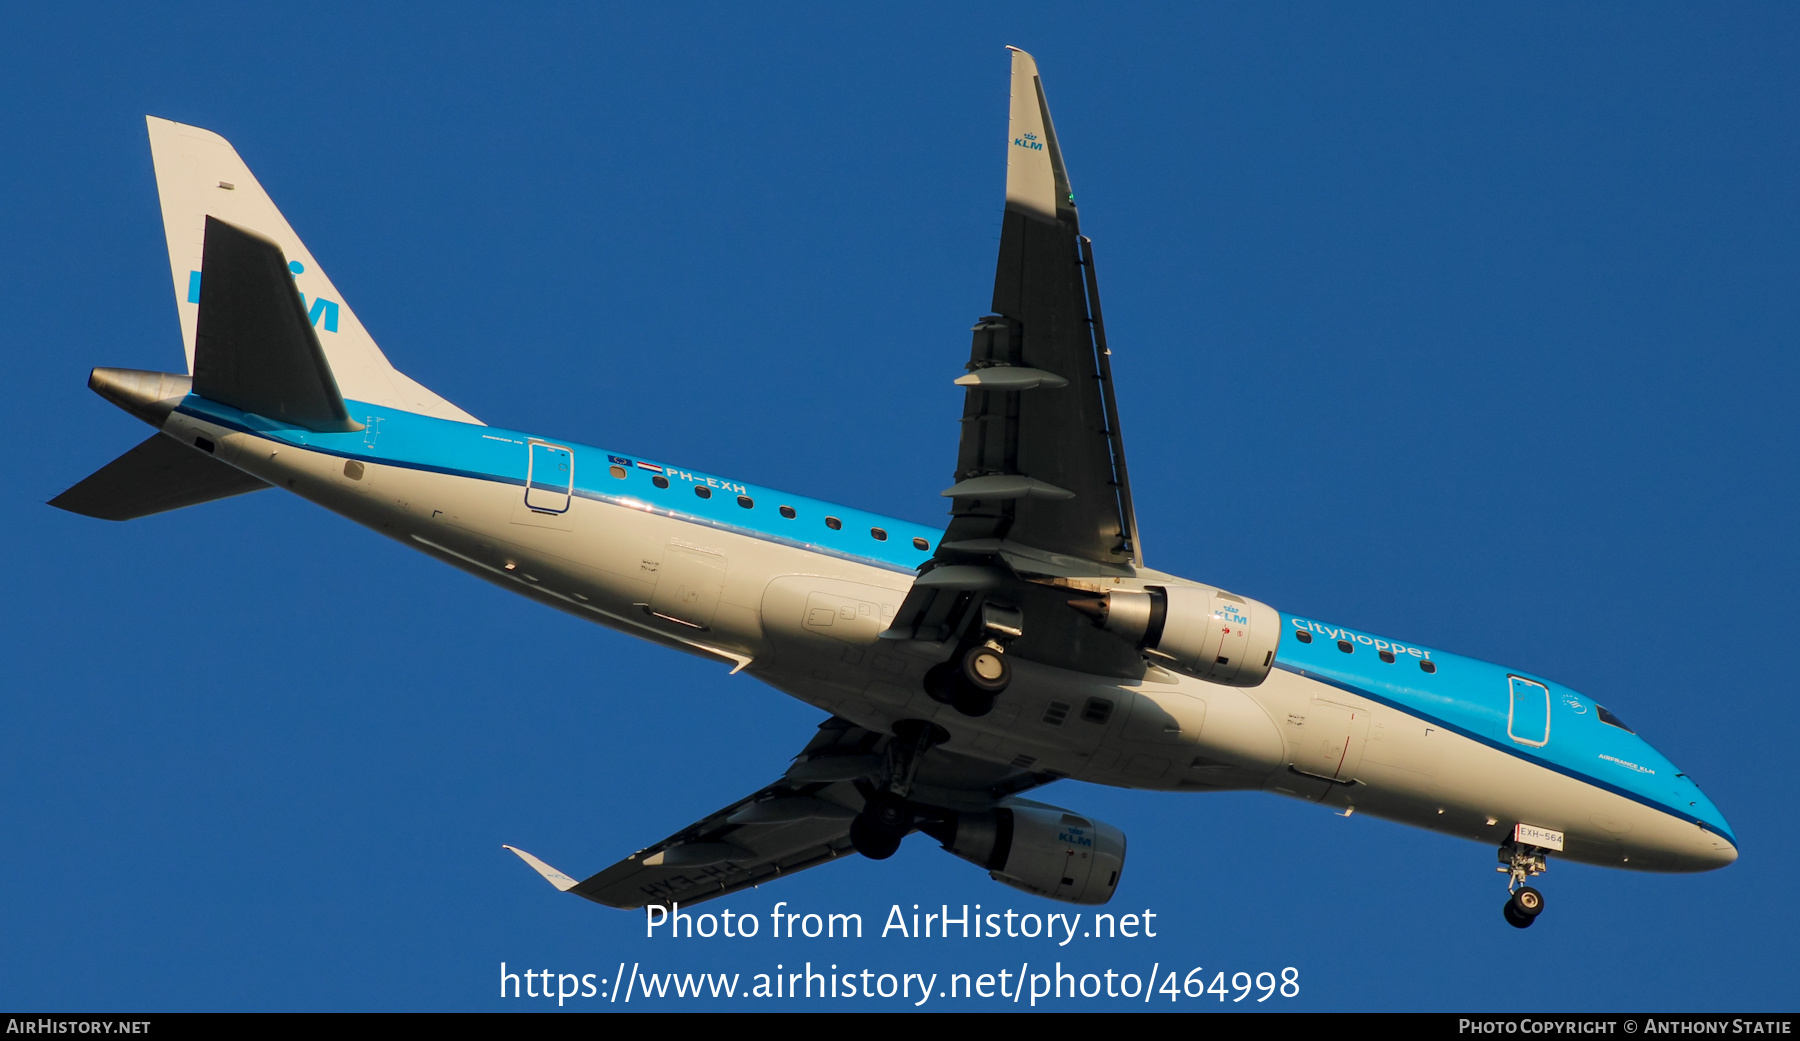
[255,348]
[159,475]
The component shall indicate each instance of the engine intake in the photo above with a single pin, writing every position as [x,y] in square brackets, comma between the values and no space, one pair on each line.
[1200,630]
[1041,849]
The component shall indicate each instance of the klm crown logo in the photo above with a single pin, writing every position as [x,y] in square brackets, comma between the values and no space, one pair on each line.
[1029,141]
[321,307]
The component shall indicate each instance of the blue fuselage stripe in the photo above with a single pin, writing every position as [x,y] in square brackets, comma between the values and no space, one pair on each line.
[445,448]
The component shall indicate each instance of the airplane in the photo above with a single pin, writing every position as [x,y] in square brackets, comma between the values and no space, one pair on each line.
[961,668]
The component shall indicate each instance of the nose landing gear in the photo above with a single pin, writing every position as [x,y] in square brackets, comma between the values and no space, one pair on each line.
[1519,862]
[1523,907]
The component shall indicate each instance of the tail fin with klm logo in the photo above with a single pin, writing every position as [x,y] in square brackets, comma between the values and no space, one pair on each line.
[199,175]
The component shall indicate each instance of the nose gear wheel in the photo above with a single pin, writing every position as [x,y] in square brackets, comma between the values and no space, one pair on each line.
[1519,862]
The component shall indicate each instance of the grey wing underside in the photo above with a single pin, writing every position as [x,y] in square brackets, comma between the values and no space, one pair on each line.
[1041,494]
[1041,463]
[731,855]
[798,822]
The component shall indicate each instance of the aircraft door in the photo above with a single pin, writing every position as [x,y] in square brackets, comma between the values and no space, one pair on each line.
[688,584]
[549,477]
[1528,719]
[1328,740]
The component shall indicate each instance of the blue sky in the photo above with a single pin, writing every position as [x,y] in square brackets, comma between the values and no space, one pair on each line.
[1470,326]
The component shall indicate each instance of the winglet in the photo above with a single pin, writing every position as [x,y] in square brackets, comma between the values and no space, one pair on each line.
[562,882]
[1036,183]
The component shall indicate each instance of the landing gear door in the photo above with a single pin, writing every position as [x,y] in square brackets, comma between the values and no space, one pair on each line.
[1528,718]
[549,477]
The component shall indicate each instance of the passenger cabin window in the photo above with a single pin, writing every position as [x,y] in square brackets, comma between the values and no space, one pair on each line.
[1302,635]
[702,491]
[833,523]
[1387,656]
[921,545]
[660,481]
[880,535]
[1611,720]
[617,471]
[788,512]
[1346,646]
[746,502]
[1428,666]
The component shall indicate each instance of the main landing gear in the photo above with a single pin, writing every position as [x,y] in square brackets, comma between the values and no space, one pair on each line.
[888,816]
[885,819]
[970,681]
[973,677]
[1519,862]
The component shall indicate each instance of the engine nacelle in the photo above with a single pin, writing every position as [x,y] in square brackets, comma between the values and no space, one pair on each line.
[1202,631]
[1040,849]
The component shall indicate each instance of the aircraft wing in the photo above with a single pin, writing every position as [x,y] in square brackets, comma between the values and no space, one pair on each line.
[798,822]
[1040,471]
[1041,500]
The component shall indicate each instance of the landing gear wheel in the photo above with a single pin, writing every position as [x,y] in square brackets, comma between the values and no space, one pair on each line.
[884,821]
[986,669]
[1527,902]
[1520,861]
[1513,917]
[889,813]
[876,844]
[947,684]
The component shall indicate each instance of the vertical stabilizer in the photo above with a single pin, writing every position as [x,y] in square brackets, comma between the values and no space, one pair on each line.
[254,347]
[199,174]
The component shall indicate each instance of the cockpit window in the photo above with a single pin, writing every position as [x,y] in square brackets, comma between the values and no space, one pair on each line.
[1611,720]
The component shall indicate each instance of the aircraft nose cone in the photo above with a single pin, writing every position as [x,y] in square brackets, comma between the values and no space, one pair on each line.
[1709,852]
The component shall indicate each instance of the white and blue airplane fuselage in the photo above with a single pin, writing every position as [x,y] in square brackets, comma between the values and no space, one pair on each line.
[1450,750]
[812,598]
